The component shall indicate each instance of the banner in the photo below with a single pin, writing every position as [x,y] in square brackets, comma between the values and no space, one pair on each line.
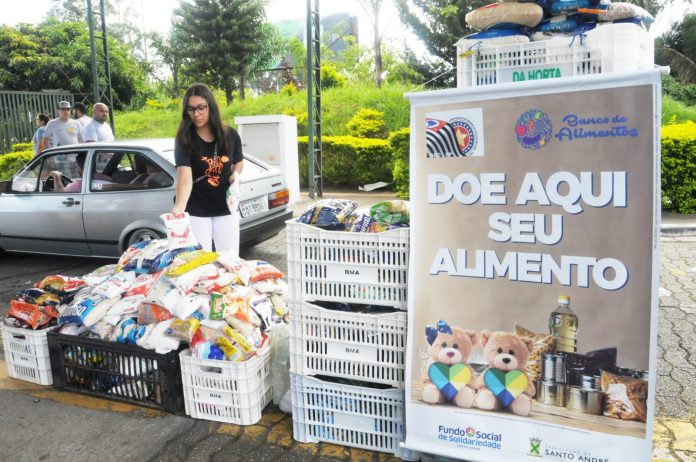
[534,270]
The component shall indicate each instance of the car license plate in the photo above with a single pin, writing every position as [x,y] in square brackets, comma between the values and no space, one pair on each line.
[252,207]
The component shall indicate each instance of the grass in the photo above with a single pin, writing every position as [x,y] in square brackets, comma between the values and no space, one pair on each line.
[339,105]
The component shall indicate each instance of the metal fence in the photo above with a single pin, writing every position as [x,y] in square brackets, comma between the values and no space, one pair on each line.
[18,111]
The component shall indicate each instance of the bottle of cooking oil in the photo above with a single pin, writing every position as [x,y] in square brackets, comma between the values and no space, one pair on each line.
[563,324]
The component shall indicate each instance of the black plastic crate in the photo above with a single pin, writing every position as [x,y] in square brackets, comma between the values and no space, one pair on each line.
[116,371]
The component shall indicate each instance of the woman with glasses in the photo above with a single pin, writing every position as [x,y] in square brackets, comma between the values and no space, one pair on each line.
[209,159]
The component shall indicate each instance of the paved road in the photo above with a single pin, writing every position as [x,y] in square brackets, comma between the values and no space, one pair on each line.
[40,423]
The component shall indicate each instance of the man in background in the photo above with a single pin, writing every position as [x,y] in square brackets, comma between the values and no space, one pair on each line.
[61,131]
[41,121]
[81,115]
[98,129]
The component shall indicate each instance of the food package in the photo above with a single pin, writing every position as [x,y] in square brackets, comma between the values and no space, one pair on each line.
[328,214]
[154,257]
[390,212]
[508,14]
[556,7]
[543,344]
[179,231]
[626,397]
[100,275]
[187,281]
[32,315]
[143,284]
[130,253]
[87,311]
[621,11]
[183,330]
[60,284]
[151,313]
[116,285]
[230,350]
[364,223]
[498,37]
[128,331]
[185,262]
[232,197]
[261,270]
[38,297]
[127,306]
[155,338]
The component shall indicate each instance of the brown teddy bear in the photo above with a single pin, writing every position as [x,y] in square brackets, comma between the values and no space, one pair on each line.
[505,383]
[448,377]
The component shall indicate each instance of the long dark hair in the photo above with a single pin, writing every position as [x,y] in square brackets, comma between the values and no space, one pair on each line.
[186,132]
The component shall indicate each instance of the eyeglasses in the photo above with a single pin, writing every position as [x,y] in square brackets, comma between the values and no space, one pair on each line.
[201,108]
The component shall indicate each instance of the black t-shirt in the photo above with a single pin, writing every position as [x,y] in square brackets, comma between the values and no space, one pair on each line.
[211,173]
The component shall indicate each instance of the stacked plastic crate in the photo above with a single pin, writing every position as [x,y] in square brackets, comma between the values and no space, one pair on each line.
[347,367]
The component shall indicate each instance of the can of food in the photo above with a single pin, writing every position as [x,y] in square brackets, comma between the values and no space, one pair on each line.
[574,374]
[551,393]
[590,382]
[553,368]
[585,401]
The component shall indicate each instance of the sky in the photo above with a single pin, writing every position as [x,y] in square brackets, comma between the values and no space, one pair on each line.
[156,14]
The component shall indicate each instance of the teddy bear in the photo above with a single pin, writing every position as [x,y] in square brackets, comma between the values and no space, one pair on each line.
[505,383]
[447,376]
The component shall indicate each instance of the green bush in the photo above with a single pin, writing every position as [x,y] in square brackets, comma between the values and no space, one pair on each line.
[330,78]
[12,162]
[367,123]
[679,167]
[682,92]
[400,143]
[23,147]
[350,161]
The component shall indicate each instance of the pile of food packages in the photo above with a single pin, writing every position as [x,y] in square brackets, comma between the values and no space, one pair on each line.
[343,215]
[590,383]
[161,293]
[510,22]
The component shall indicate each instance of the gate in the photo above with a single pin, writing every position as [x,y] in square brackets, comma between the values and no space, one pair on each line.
[18,111]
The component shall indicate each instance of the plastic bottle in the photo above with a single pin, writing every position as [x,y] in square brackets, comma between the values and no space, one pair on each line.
[563,324]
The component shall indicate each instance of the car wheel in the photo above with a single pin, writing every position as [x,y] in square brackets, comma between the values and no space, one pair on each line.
[140,235]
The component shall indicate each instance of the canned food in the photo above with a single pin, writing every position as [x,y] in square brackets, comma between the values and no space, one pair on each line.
[551,393]
[585,401]
[590,382]
[553,368]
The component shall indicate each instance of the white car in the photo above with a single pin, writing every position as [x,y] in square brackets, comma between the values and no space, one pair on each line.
[126,186]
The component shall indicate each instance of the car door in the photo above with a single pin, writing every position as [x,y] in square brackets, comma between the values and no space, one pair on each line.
[38,218]
[127,192]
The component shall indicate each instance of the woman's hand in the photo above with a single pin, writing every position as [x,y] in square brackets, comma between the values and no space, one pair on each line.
[177,210]
[234,177]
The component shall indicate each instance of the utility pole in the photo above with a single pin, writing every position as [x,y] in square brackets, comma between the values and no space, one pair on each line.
[314,99]
[101,74]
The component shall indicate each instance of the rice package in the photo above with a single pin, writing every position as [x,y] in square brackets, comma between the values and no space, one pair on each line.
[261,270]
[505,15]
[179,231]
[100,275]
[232,197]
[328,214]
[116,285]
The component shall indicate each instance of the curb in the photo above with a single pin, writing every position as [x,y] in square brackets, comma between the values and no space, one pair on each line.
[677,230]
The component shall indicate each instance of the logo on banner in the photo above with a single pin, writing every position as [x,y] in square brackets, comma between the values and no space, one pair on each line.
[455,137]
[533,129]
[534,447]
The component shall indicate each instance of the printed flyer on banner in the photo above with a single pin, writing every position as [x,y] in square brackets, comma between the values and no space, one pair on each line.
[533,270]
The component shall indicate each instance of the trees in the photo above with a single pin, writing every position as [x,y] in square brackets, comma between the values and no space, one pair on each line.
[372,8]
[677,48]
[438,23]
[55,55]
[221,37]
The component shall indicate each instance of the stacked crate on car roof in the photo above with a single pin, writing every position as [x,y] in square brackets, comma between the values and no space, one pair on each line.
[348,336]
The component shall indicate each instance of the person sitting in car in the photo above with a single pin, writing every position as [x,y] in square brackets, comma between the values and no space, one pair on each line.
[75,185]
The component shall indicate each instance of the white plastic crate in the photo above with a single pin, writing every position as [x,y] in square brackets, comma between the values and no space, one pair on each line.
[361,346]
[225,391]
[607,48]
[361,417]
[339,266]
[26,354]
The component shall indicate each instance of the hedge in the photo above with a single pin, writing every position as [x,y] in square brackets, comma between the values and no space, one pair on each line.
[400,142]
[10,163]
[350,161]
[679,167]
